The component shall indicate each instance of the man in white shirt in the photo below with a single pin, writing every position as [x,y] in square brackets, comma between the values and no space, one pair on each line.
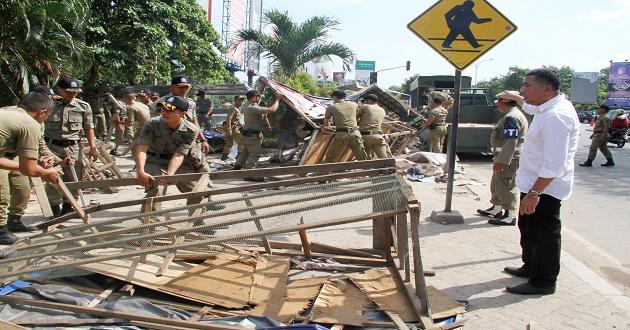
[546,174]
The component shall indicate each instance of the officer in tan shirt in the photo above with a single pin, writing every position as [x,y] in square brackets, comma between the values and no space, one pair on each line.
[163,145]
[233,127]
[507,137]
[599,139]
[370,117]
[20,131]
[438,105]
[344,115]
[255,120]
[71,119]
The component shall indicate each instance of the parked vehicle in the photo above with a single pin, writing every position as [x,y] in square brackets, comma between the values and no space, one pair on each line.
[618,137]
[587,116]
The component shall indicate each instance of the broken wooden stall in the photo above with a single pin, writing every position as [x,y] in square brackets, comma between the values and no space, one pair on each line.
[397,133]
[245,249]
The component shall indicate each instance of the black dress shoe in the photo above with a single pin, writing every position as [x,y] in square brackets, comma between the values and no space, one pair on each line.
[254,179]
[528,289]
[504,220]
[487,212]
[517,271]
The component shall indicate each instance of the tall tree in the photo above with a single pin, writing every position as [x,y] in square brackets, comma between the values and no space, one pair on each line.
[292,45]
[405,87]
[142,41]
[39,40]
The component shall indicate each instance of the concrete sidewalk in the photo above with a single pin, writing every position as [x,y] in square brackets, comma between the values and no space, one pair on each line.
[469,260]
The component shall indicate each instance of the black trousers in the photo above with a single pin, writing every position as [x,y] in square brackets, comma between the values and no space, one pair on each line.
[540,241]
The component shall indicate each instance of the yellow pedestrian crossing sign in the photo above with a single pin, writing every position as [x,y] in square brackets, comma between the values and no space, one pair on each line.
[462,30]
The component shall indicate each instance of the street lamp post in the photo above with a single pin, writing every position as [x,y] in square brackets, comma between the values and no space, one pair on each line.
[477,67]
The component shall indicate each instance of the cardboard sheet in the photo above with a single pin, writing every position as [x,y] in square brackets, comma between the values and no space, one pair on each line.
[340,302]
[379,286]
[298,297]
[269,285]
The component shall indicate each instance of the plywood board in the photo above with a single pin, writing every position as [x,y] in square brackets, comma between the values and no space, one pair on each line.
[298,297]
[269,285]
[225,281]
[318,148]
[442,305]
[142,274]
[340,302]
[379,286]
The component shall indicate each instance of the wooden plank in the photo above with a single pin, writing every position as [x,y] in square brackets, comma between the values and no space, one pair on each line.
[225,281]
[379,286]
[116,314]
[397,320]
[304,239]
[215,192]
[340,302]
[421,288]
[269,285]
[326,248]
[318,148]
[309,147]
[68,195]
[259,226]
[300,294]
[403,241]
[6,325]
[73,173]
[102,296]
[221,175]
[42,198]
[201,313]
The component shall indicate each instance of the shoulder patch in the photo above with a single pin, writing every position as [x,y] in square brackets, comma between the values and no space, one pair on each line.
[511,128]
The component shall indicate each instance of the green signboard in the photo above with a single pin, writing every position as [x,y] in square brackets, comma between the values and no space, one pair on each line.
[365,65]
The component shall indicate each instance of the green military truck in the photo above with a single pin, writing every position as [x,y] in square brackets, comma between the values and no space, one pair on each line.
[477,114]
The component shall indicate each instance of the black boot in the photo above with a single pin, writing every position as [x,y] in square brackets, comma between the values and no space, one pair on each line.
[6,238]
[66,208]
[225,156]
[609,163]
[15,225]
[588,163]
[56,210]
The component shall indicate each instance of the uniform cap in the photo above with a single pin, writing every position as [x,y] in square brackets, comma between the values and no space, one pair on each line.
[251,93]
[371,97]
[180,81]
[155,94]
[239,97]
[504,93]
[69,83]
[175,102]
[143,92]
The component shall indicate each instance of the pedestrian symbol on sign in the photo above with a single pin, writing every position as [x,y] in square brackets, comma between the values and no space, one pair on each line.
[459,20]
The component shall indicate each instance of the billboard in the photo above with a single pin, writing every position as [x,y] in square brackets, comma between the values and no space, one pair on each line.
[619,84]
[321,69]
[339,77]
[362,70]
[584,86]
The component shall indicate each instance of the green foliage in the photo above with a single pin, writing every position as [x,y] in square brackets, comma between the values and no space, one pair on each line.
[515,76]
[602,90]
[291,45]
[304,83]
[405,87]
[134,42]
[39,40]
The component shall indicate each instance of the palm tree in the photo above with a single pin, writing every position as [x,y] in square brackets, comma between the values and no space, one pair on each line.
[39,40]
[291,45]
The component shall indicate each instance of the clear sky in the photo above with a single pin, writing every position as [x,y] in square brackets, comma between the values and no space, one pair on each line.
[582,34]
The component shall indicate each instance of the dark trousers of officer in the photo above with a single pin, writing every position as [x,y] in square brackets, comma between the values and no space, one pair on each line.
[540,241]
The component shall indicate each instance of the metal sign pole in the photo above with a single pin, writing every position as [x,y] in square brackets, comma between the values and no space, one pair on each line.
[452,137]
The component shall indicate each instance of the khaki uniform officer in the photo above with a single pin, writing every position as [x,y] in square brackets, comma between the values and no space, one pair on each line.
[63,133]
[233,127]
[100,122]
[20,131]
[180,86]
[255,119]
[137,114]
[438,110]
[370,117]
[163,145]
[344,116]
[143,97]
[204,110]
[599,139]
[507,137]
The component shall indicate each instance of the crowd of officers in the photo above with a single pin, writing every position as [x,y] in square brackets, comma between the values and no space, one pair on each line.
[41,137]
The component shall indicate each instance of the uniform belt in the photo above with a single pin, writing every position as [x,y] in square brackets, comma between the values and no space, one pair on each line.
[371,133]
[158,155]
[61,143]
[598,132]
[345,130]
[249,131]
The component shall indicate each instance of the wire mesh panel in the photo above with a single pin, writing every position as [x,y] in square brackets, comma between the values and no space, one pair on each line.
[241,221]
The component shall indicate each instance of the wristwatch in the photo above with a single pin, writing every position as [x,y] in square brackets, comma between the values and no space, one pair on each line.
[533,194]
